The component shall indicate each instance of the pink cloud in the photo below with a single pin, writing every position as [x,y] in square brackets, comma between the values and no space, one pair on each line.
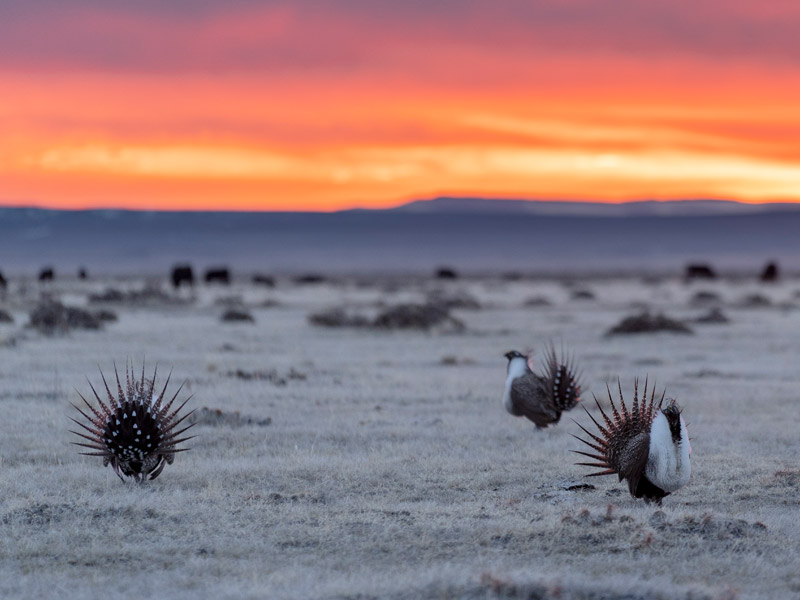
[370,36]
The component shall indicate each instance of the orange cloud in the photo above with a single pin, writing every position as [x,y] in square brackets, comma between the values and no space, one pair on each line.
[291,109]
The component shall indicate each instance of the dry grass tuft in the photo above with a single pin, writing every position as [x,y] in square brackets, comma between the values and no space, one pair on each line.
[270,375]
[215,417]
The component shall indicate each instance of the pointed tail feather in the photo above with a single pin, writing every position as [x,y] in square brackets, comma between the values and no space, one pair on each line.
[561,380]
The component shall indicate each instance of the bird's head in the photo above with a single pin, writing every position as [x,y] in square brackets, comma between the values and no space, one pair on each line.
[512,354]
[673,413]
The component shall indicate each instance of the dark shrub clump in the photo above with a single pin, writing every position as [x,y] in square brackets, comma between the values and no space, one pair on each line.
[535,301]
[216,417]
[338,317]
[647,323]
[105,315]
[233,315]
[755,301]
[582,295]
[52,316]
[704,297]
[714,316]
[416,316]
[149,295]
[401,316]
[460,300]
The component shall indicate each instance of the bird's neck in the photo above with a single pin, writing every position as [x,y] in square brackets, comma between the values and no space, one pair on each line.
[517,367]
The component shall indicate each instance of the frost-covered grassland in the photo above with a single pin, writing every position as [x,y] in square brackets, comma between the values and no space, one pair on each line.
[370,464]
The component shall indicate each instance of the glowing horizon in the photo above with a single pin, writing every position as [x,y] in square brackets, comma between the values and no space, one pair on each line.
[335,105]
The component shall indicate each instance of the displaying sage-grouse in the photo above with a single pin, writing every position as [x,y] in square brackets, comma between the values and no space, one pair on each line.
[647,446]
[136,431]
[541,398]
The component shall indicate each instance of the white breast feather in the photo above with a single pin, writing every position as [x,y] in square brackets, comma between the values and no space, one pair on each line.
[516,368]
[668,464]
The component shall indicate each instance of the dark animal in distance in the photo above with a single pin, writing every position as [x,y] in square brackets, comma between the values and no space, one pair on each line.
[446,273]
[136,430]
[83,274]
[218,275]
[182,274]
[309,278]
[541,398]
[700,271]
[648,445]
[264,280]
[3,283]
[47,274]
[771,273]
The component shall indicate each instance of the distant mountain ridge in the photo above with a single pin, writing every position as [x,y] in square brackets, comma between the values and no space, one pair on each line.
[479,205]
[635,208]
[476,235]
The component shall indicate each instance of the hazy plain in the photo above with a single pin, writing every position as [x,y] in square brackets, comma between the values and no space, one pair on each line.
[373,464]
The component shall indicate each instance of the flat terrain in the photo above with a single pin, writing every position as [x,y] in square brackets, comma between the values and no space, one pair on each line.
[381,464]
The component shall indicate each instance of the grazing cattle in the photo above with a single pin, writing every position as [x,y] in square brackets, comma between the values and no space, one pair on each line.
[47,274]
[310,278]
[512,276]
[83,274]
[265,280]
[771,273]
[700,271]
[446,273]
[182,274]
[218,275]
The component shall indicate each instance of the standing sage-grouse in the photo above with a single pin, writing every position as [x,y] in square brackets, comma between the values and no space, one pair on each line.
[647,446]
[136,431]
[541,398]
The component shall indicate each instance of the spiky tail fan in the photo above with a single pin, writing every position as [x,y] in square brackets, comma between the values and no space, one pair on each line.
[622,446]
[561,380]
[136,432]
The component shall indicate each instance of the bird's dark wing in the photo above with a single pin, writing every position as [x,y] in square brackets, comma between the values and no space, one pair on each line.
[632,460]
[530,400]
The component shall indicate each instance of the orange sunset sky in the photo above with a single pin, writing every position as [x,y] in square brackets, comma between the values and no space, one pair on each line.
[322,105]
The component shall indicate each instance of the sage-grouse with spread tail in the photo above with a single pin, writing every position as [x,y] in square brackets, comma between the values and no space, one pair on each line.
[541,398]
[647,446]
[136,431]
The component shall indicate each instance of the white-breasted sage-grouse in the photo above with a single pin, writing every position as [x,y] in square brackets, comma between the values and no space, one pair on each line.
[541,397]
[136,431]
[648,445]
